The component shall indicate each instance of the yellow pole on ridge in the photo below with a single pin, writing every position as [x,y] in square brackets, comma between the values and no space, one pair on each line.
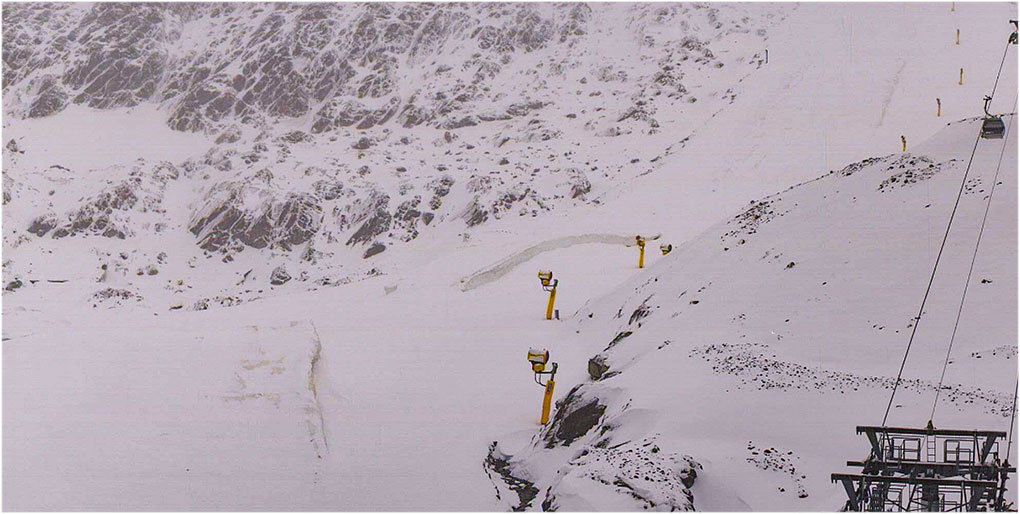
[961,76]
[641,246]
[957,36]
[552,300]
[547,401]
[938,102]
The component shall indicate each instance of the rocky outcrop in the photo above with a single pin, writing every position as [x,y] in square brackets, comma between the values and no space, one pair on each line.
[239,214]
[279,276]
[579,184]
[341,62]
[373,216]
[373,250]
[109,213]
[576,414]
[497,465]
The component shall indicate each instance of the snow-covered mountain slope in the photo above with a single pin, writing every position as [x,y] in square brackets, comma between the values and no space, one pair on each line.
[783,327]
[254,308]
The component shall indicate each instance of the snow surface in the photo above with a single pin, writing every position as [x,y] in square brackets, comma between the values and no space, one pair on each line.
[385,392]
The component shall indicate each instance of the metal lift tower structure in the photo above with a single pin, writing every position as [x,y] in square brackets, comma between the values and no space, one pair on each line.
[930,470]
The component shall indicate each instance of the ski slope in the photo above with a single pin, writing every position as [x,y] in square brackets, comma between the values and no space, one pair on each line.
[386,392]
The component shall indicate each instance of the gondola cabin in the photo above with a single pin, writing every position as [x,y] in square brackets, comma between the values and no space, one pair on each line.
[992,128]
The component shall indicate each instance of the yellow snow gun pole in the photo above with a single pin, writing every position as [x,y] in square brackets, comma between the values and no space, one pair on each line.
[641,249]
[957,36]
[961,76]
[547,401]
[539,357]
[552,300]
[548,284]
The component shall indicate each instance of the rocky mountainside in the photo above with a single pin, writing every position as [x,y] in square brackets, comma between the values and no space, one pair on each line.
[332,66]
[321,135]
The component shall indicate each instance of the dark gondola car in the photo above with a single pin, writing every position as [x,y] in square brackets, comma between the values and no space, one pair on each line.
[992,128]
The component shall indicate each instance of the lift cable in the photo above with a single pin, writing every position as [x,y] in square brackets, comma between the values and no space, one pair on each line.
[1004,52]
[1013,417]
[931,279]
[966,286]
[1012,421]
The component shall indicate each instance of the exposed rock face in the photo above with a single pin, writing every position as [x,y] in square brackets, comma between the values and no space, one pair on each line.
[475,214]
[440,188]
[579,184]
[372,215]
[497,465]
[279,276]
[51,97]
[603,455]
[109,213]
[121,54]
[13,285]
[43,224]
[327,189]
[239,214]
[639,470]
[576,414]
[373,250]
[97,216]
[597,367]
[339,61]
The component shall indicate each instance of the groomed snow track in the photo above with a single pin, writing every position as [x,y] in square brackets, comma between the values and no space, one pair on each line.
[498,270]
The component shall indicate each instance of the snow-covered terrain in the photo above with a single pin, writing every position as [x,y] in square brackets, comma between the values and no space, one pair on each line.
[283,256]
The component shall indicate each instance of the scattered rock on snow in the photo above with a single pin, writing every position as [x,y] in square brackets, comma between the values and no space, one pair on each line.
[279,276]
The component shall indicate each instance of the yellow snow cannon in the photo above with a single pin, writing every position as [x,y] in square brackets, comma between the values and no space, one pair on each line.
[548,284]
[539,358]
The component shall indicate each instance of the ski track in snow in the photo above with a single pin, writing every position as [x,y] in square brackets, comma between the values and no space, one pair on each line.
[893,84]
[500,269]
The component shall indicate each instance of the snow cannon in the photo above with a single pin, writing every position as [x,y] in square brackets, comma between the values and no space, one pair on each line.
[665,248]
[549,285]
[538,358]
[546,277]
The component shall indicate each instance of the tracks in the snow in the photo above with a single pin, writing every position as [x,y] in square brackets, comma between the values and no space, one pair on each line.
[501,268]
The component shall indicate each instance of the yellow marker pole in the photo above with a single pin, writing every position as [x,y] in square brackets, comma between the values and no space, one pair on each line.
[939,103]
[904,138]
[641,258]
[552,300]
[957,36]
[961,76]
[547,401]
